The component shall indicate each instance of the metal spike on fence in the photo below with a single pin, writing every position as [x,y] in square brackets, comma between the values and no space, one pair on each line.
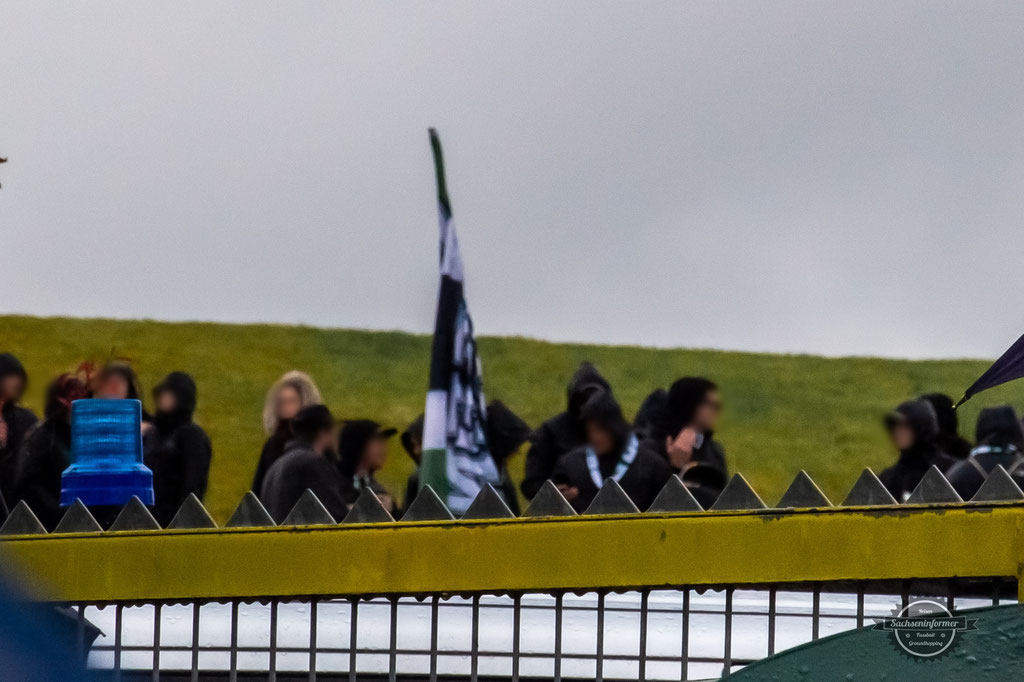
[675,497]
[309,511]
[427,507]
[368,509]
[22,521]
[998,487]
[868,491]
[134,516]
[611,499]
[803,493]
[934,489]
[738,495]
[192,514]
[78,519]
[488,504]
[250,513]
[549,502]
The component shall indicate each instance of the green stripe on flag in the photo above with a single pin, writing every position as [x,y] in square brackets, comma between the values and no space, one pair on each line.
[434,471]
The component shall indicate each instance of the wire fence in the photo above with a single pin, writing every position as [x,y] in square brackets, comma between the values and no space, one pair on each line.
[657,634]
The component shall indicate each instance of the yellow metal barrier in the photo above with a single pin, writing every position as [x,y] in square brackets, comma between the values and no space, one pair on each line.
[622,551]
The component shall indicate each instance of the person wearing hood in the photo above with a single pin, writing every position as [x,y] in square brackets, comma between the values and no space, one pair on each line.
[1000,438]
[289,394]
[46,452]
[913,428]
[362,452]
[506,433]
[611,450]
[949,439]
[176,449]
[118,381]
[650,424]
[305,465]
[15,421]
[686,434]
[563,432]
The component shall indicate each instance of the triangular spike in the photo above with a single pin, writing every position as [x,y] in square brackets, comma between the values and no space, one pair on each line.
[933,488]
[803,493]
[738,495]
[868,491]
[427,507]
[22,521]
[78,519]
[488,504]
[549,502]
[192,514]
[675,497]
[250,513]
[611,499]
[309,511]
[367,509]
[134,516]
[998,487]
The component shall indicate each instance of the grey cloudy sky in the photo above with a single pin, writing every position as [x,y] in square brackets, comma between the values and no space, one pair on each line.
[838,178]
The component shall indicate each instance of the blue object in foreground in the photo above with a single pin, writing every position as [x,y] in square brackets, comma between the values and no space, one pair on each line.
[106,455]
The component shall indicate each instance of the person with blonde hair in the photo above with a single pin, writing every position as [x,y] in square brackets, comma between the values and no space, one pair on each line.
[289,394]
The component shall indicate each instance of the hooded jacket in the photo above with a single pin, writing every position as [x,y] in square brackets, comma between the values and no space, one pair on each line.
[15,422]
[663,417]
[46,452]
[298,469]
[1000,442]
[903,476]
[176,449]
[949,439]
[279,431]
[642,480]
[651,420]
[131,379]
[563,432]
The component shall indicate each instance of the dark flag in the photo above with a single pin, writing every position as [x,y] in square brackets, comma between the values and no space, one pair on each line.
[457,462]
[1008,367]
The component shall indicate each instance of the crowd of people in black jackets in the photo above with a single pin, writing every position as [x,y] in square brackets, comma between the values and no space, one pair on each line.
[577,449]
[34,453]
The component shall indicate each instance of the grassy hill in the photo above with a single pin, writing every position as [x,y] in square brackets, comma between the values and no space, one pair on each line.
[783,412]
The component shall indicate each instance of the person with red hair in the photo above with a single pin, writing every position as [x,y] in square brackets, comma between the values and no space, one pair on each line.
[46,452]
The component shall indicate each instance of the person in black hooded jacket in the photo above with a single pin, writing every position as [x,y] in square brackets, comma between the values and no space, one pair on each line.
[46,452]
[685,436]
[15,421]
[1000,442]
[176,449]
[913,428]
[613,451]
[118,381]
[563,432]
[949,439]
[506,433]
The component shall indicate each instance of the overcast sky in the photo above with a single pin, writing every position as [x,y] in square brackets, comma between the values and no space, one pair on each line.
[837,178]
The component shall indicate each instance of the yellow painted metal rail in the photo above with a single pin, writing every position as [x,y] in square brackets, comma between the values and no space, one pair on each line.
[527,554]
